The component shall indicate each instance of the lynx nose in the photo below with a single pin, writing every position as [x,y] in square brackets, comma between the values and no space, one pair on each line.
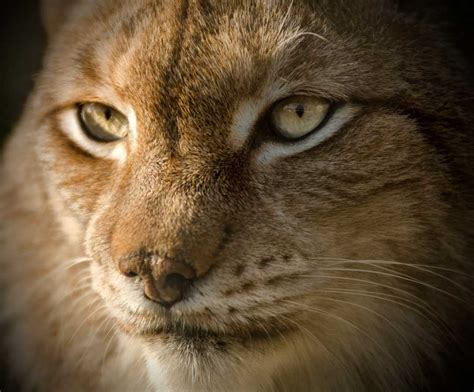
[165,280]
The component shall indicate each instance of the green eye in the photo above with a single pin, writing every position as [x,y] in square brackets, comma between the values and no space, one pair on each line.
[103,123]
[298,116]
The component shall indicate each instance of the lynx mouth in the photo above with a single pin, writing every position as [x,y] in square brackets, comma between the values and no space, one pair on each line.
[198,334]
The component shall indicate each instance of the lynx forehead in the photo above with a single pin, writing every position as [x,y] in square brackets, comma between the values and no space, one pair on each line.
[238,196]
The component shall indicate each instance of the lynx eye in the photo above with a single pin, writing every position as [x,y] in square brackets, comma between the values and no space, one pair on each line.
[296,117]
[103,123]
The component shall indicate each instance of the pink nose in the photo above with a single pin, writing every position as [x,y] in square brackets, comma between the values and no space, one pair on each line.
[165,280]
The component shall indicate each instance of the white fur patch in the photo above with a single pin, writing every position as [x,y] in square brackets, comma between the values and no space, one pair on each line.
[250,110]
[244,119]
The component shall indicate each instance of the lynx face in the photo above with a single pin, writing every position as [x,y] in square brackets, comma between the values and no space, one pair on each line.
[262,187]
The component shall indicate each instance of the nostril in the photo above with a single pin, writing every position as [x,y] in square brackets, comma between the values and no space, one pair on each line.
[127,268]
[176,280]
[130,274]
[165,281]
[172,288]
[171,280]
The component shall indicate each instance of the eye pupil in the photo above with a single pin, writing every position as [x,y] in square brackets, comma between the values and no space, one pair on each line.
[108,114]
[299,110]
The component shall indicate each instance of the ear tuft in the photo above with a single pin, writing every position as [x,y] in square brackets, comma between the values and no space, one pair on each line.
[55,12]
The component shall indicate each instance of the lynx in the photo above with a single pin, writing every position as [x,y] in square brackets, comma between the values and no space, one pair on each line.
[252,195]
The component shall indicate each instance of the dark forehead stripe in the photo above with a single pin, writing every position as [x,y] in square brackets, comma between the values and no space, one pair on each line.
[166,102]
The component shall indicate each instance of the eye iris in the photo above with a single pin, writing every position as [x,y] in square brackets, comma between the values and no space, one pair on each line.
[103,123]
[298,116]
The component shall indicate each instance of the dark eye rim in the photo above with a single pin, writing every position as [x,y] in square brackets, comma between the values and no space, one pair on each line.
[277,136]
[86,129]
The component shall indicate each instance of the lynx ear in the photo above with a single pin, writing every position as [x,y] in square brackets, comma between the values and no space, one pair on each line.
[55,12]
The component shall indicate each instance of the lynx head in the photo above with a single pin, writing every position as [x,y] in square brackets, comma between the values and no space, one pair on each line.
[267,190]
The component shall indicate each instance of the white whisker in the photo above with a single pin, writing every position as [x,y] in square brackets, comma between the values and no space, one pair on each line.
[396,276]
[313,309]
[314,338]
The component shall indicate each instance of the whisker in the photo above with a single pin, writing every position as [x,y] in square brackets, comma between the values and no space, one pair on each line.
[424,267]
[364,281]
[108,338]
[436,320]
[269,337]
[89,317]
[398,276]
[381,316]
[316,339]
[55,271]
[419,267]
[92,336]
[343,320]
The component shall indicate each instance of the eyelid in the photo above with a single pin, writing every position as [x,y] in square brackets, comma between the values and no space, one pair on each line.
[69,124]
[272,150]
[89,115]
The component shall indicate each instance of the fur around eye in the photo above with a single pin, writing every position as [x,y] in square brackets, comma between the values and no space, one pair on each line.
[298,116]
[103,123]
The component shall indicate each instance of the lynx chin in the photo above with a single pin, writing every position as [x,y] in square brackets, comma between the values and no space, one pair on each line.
[239,196]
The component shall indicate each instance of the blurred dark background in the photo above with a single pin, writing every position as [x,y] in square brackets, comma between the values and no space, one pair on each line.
[22,43]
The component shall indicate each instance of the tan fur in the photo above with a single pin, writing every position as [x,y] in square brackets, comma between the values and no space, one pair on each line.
[345,266]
